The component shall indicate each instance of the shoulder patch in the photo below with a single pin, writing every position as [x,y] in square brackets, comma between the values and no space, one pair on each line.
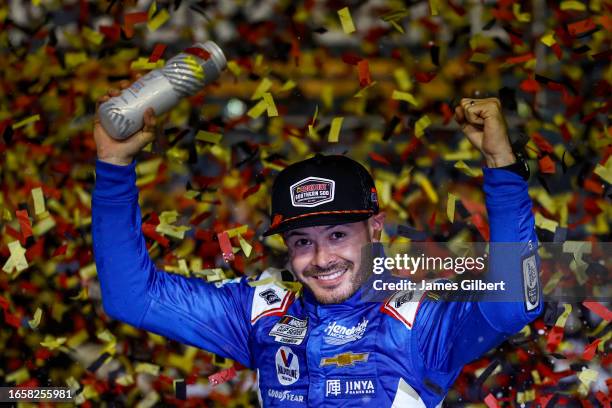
[269,298]
[404,306]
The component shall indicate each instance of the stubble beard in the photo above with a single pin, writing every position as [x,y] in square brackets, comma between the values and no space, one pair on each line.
[357,279]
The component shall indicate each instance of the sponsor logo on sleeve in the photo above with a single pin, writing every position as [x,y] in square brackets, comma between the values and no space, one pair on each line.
[350,387]
[338,334]
[290,330]
[531,283]
[287,366]
[285,396]
[312,191]
[345,359]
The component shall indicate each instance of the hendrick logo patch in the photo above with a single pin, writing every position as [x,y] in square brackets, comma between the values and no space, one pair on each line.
[531,283]
[312,191]
[338,334]
[270,296]
[290,330]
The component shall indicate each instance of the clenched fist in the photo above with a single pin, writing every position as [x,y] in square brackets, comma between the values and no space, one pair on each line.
[483,123]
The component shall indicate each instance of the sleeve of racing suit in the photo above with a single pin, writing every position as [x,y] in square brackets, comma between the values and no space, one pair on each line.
[453,333]
[134,291]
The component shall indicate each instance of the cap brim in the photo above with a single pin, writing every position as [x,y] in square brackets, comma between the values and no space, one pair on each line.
[316,220]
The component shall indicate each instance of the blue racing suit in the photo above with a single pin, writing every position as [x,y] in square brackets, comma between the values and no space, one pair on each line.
[405,352]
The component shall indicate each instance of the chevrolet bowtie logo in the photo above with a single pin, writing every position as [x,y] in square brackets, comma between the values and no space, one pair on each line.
[344,359]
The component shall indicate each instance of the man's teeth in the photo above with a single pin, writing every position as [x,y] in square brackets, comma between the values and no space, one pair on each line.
[330,277]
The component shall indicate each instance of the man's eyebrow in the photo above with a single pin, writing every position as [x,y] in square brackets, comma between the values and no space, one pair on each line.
[292,233]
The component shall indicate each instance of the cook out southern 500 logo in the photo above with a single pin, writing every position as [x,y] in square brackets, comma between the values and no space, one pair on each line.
[287,366]
[312,191]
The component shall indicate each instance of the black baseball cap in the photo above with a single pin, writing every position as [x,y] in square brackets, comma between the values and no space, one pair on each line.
[322,190]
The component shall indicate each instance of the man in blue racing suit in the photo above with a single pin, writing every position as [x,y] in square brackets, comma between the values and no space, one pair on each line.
[322,346]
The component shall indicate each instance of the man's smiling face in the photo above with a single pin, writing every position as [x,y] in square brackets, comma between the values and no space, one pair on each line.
[327,259]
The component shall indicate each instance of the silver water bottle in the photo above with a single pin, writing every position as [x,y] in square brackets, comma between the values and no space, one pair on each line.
[161,89]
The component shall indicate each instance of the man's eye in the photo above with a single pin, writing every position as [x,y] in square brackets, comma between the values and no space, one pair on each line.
[301,242]
[337,235]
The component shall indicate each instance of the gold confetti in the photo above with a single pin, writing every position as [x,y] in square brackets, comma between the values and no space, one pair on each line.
[147,368]
[469,171]
[434,6]
[166,219]
[263,87]
[89,271]
[26,121]
[93,36]
[210,137]
[545,223]
[237,231]
[17,259]
[36,319]
[160,19]
[234,68]
[52,343]
[270,106]
[39,201]
[427,187]
[246,247]
[73,59]
[334,130]
[605,172]
[548,39]
[19,376]
[404,96]
[403,79]
[586,377]
[152,10]
[421,125]
[450,207]
[573,5]
[346,20]
[258,109]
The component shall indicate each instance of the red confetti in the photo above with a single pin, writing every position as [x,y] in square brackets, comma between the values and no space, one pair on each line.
[131,19]
[251,190]
[520,58]
[424,77]
[24,223]
[60,251]
[530,85]
[447,112]
[351,58]
[546,165]
[544,400]
[580,27]
[603,399]
[198,52]
[364,73]
[555,336]
[226,246]
[599,309]
[222,376]
[158,51]
[149,231]
[378,158]
[481,225]
[491,401]
[590,350]
[543,144]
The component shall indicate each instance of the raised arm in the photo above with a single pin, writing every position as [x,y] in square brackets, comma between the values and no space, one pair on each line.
[133,289]
[451,334]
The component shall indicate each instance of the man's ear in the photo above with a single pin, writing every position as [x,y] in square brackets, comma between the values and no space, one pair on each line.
[376,223]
